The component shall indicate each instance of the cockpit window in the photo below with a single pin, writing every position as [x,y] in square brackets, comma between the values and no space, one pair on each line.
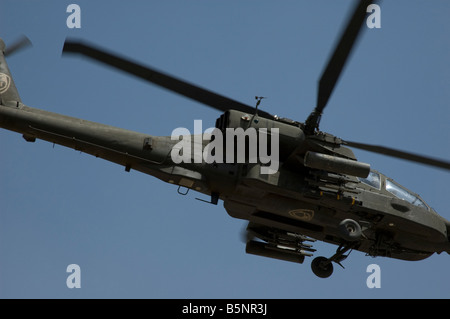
[404,194]
[372,180]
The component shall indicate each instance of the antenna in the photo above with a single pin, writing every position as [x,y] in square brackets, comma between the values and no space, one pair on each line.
[258,101]
[255,116]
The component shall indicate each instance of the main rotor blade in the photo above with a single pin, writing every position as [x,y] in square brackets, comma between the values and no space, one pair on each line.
[159,78]
[18,45]
[336,63]
[400,154]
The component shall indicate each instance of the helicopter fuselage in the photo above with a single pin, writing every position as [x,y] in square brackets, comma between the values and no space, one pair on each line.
[295,198]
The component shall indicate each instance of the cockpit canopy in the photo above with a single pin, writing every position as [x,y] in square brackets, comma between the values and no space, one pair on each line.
[375,180]
[402,193]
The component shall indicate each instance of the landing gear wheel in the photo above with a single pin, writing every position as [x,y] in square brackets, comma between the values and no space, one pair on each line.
[322,267]
[350,230]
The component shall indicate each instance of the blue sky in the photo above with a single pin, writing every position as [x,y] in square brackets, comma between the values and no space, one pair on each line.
[132,235]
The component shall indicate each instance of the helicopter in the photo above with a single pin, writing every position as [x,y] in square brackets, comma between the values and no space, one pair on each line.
[319,192]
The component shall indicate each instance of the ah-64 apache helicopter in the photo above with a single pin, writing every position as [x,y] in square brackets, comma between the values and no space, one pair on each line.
[319,191]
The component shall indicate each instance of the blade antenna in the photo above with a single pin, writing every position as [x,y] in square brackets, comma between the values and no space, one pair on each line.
[258,102]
